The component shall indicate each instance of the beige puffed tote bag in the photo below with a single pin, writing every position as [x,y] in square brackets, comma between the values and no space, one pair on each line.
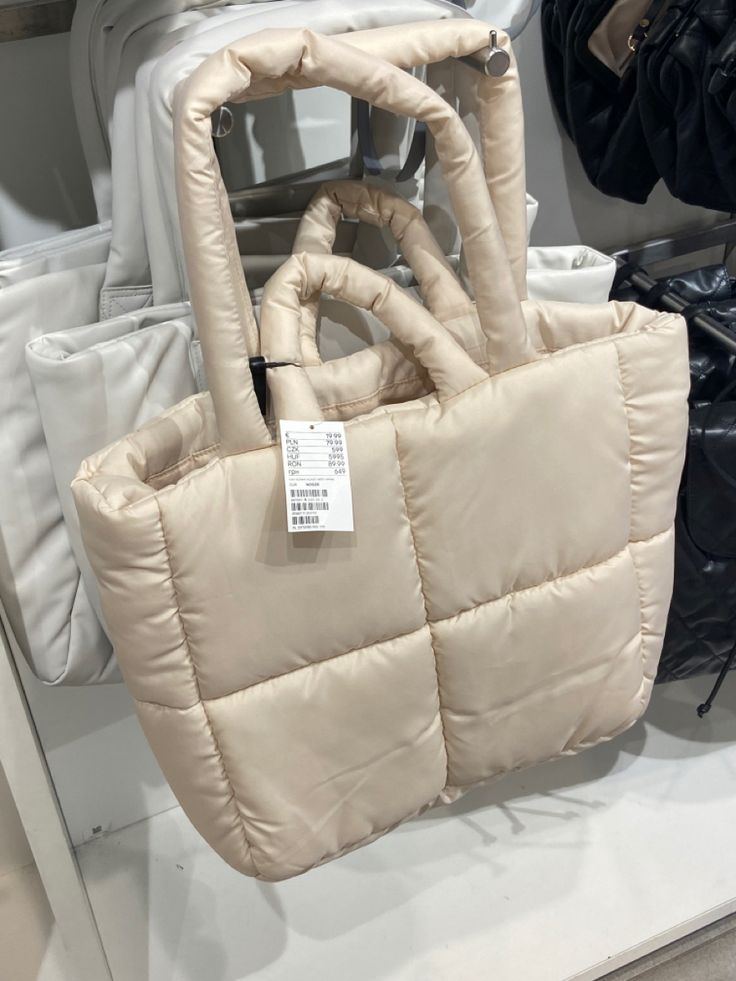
[502,597]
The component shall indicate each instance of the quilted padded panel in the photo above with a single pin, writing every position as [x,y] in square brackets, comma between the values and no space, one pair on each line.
[654,418]
[355,746]
[467,473]
[302,593]
[513,684]
[187,749]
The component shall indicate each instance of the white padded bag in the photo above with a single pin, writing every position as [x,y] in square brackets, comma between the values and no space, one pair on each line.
[157,83]
[96,52]
[78,247]
[111,376]
[100,29]
[569,274]
[45,610]
[100,33]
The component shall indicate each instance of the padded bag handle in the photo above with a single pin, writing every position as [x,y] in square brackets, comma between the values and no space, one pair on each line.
[499,111]
[443,292]
[219,295]
[451,369]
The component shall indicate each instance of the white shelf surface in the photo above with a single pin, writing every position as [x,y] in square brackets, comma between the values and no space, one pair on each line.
[562,872]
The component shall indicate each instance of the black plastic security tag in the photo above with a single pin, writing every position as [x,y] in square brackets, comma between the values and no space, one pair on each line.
[258,367]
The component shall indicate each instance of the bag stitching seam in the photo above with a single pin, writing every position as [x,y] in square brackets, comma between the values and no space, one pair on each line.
[315,664]
[175,466]
[200,700]
[424,601]
[550,582]
[410,380]
[662,323]
[625,405]
[544,353]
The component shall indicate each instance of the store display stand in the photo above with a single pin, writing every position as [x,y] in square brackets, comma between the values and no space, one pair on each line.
[24,763]
[560,873]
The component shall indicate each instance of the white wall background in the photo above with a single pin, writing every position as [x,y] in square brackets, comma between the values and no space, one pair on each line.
[14,850]
[44,186]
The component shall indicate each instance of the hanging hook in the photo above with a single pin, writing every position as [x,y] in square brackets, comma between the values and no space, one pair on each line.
[492,61]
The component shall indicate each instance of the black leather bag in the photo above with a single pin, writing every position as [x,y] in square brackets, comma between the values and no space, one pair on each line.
[701,629]
[693,149]
[720,108]
[596,106]
[664,106]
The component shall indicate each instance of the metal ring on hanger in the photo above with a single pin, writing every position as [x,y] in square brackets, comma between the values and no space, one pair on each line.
[222,122]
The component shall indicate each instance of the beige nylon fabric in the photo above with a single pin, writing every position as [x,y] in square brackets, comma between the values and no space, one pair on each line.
[442,291]
[501,601]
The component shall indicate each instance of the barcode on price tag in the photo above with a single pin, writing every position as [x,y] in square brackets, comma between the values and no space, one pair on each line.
[317,476]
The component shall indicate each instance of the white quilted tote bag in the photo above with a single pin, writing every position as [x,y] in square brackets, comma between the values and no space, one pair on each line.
[569,273]
[502,597]
[44,605]
[120,38]
[68,250]
[103,31]
[93,382]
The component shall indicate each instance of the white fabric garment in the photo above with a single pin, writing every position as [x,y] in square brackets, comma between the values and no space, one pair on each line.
[78,247]
[569,273]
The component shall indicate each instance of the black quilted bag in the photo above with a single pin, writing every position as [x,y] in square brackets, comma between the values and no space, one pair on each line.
[720,109]
[658,103]
[596,106]
[692,146]
[701,629]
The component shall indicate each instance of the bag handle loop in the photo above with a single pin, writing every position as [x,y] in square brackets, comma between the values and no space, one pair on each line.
[218,291]
[443,292]
[450,368]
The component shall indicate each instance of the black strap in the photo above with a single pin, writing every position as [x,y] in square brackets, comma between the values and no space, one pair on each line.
[731,481]
[691,311]
[258,367]
[708,703]
[371,159]
[623,272]
[416,154]
[641,31]
[655,294]
[417,150]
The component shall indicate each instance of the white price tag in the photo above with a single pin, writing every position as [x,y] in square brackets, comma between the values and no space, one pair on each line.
[317,476]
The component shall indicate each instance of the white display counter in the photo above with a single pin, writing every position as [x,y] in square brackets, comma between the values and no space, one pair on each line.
[558,873]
